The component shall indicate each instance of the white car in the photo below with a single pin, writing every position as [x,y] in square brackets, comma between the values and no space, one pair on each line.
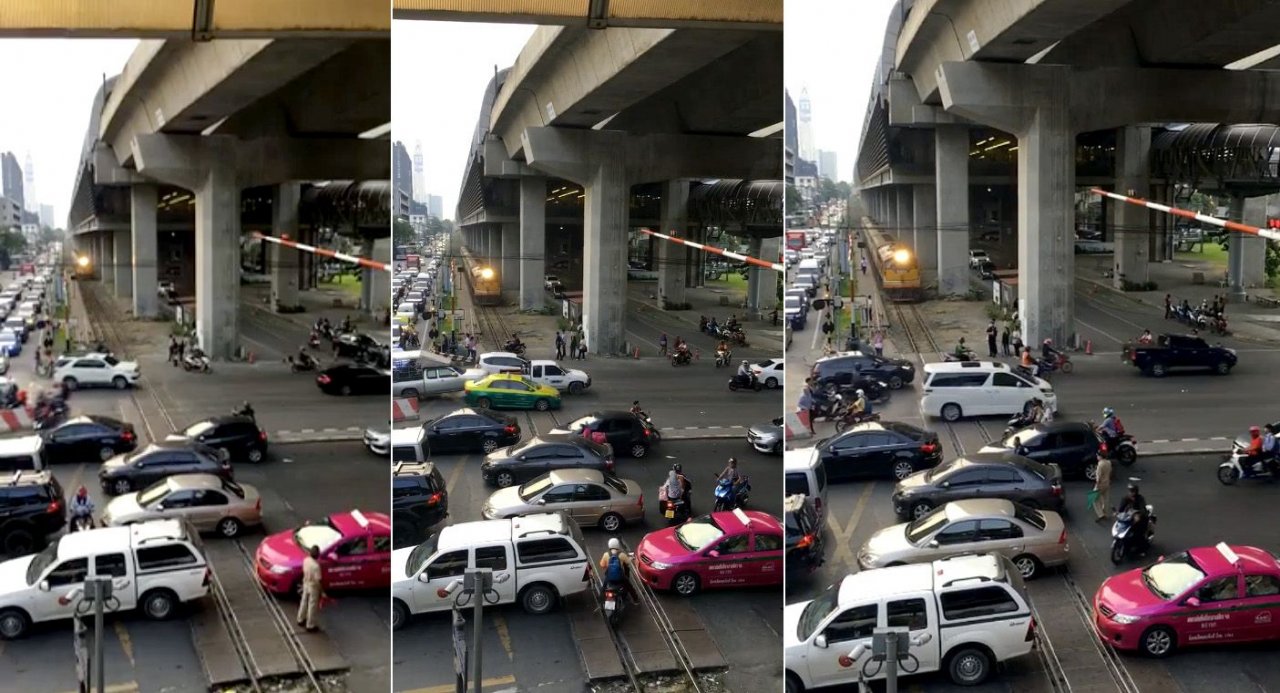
[10,343]
[552,374]
[977,257]
[96,370]
[492,362]
[769,372]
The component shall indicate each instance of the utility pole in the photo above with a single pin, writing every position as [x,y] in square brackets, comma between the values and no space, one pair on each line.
[90,664]
[479,581]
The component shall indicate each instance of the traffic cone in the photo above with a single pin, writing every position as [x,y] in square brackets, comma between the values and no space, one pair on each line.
[1088,347]
[252,358]
[636,354]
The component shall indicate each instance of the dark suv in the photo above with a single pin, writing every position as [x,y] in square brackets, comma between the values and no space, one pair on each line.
[1072,445]
[622,429]
[175,455]
[537,456]
[238,435]
[844,369]
[879,451]
[31,508]
[804,536]
[981,475]
[419,501]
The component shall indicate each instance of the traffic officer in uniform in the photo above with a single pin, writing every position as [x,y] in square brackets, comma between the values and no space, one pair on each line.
[312,588]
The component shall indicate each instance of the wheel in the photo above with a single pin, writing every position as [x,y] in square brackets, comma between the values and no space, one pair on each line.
[1117,552]
[1228,475]
[345,390]
[771,383]
[1028,565]
[841,425]
[902,469]
[70,382]
[230,527]
[483,403]
[489,445]
[895,383]
[686,584]
[504,479]
[639,450]
[969,666]
[538,599]
[793,684]
[399,614]
[409,392]
[255,455]
[1067,367]
[733,387]
[575,388]
[921,509]
[611,522]
[1126,455]
[120,382]
[106,452]
[19,541]
[1158,370]
[1091,471]
[159,605]
[1159,642]
[1222,368]
[13,624]
[952,412]
[121,486]
[542,405]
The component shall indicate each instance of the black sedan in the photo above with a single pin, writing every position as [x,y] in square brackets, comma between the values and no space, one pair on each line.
[982,475]
[537,456]
[357,345]
[177,455]
[470,429]
[805,551]
[349,379]
[238,435]
[879,451]
[622,430]
[1071,445]
[88,438]
[843,370]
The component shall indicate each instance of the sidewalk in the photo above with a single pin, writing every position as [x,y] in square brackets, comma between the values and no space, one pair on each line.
[327,300]
[762,334]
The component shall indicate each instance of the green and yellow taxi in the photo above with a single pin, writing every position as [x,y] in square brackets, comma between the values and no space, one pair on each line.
[511,391]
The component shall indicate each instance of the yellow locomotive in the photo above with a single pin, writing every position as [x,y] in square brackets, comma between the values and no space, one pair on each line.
[486,281]
[895,264]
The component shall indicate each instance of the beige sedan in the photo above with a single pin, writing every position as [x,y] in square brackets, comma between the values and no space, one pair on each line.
[587,495]
[208,502]
[1032,539]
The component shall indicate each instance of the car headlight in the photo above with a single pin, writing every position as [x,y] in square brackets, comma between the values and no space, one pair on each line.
[279,569]
[1125,619]
[659,565]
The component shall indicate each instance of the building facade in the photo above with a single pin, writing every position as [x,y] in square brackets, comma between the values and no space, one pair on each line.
[419,174]
[12,183]
[827,167]
[804,131]
[435,206]
[10,213]
[401,176]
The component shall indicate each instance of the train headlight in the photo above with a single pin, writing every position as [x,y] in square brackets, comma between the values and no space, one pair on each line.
[486,273]
[83,261]
[901,256]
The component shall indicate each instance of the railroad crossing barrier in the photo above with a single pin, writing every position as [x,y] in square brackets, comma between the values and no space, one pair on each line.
[404,409]
[718,251]
[363,262]
[16,419]
[796,424]
[1271,234]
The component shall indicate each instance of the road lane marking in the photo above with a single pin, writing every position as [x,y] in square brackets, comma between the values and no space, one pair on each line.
[504,635]
[1101,331]
[130,687]
[450,688]
[126,643]
[76,478]
[843,549]
[454,475]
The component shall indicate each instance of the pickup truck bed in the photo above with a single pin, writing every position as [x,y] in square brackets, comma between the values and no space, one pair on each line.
[1182,351]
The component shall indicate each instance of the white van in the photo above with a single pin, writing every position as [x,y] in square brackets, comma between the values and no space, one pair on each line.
[953,390]
[408,444]
[22,453]
[155,566]
[963,616]
[807,475]
[537,560]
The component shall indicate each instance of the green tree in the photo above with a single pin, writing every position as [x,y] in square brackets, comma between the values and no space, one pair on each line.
[794,203]
[13,241]
[402,233]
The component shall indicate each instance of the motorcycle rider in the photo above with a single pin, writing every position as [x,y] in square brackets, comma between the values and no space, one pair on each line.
[81,505]
[615,566]
[514,344]
[1269,447]
[636,410]
[1146,339]
[304,358]
[745,374]
[730,472]
[246,409]
[1254,451]
[961,351]
[1138,531]
[1111,428]
[1019,448]
[861,406]
[1047,353]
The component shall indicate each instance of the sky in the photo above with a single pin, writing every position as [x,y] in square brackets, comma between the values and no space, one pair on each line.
[439,71]
[49,89]
[831,48]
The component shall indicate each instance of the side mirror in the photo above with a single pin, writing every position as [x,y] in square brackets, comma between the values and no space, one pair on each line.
[820,640]
[541,501]
[945,484]
[422,577]
[44,585]
[713,553]
[933,543]
[521,458]
[1192,602]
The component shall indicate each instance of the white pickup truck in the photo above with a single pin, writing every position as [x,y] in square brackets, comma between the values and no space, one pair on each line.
[547,372]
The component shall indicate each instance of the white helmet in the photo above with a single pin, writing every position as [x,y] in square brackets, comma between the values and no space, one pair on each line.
[861,393]
[614,544]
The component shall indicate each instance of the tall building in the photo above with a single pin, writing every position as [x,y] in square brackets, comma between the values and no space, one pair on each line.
[11,173]
[401,171]
[789,139]
[435,206]
[827,167]
[808,151]
[46,216]
[31,201]
[10,213]
[419,174]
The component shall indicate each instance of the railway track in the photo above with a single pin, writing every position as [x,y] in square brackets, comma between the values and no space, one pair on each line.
[282,625]
[239,641]
[1111,661]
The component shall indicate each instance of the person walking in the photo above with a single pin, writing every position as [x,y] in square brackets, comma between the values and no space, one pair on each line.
[806,404]
[1017,341]
[182,350]
[559,345]
[582,349]
[312,590]
[1102,489]
[573,345]
[877,342]
[864,265]
[1004,341]
[1168,306]
[662,344]
[992,331]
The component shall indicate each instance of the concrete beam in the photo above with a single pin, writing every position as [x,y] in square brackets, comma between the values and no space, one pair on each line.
[571,154]
[142,203]
[123,269]
[671,257]
[260,161]
[924,214]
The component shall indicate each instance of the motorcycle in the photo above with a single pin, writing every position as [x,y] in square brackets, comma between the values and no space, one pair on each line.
[1237,466]
[80,523]
[1123,448]
[744,382]
[848,418]
[1015,424]
[516,348]
[1061,362]
[1122,544]
[313,340]
[195,362]
[300,365]
[830,408]
[615,602]
[731,496]
[736,336]
[676,512]
[951,357]
[723,357]
[681,358]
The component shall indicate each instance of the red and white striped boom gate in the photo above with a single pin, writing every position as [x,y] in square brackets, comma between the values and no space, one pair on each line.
[1271,234]
[718,251]
[363,262]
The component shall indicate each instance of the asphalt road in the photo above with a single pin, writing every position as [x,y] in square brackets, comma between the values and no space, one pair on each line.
[539,653]
[301,482]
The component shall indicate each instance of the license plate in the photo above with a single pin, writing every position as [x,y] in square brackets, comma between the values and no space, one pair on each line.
[608,606]
[669,514]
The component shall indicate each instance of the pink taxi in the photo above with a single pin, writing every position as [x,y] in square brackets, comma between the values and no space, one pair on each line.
[355,553]
[1207,595]
[741,548]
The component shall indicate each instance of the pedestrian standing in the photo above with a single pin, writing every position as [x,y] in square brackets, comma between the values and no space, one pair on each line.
[1004,340]
[173,350]
[182,349]
[471,347]
[807,403]
[312,590]
[582,349]
[992,331]
[864,265]
[559,345]
[573,345]
[1102,489]
[1168,306]
[877,342]
[827,326]
[662,344]
[1017,341]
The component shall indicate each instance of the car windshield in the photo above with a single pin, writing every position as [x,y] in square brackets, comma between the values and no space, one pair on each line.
[696,534]
[322,536]
[42,561]
[233,488]
[112,361]
[419,555]
[1172,576]
[817,611]
[1028,439]
[926,525]
[533,488]
[615,483]
[153,493]
[196,430]
[578,425]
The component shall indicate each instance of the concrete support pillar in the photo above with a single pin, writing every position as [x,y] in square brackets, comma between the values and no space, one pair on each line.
[366,278]
[283,259]
[123,279]
[924,213]
[762,283]
[380,280]
[905,223]
[218,260]
[510,255]
[604,259]
[1132,228]
[1235,250]
[672,257]
[951,168]
[1046,210]
[1162,240]
[1253,249]
[533,241]
[142,236]
[108,266]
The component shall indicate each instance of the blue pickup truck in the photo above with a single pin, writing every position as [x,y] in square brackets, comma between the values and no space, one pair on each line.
[1174,351]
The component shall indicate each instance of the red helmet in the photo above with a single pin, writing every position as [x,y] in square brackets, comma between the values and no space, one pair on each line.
[1254,430]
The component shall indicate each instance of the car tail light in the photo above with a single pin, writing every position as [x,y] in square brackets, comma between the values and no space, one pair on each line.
[608,463]
[929,448]
[510,429]
[608,594]
[640,503]
[1056,489]
[805,542]
[323,379]
[433,499]
[645,431]
[1031,630]
[55,506]
[208,576]
[262,435]
[1062,538]
[127,436]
